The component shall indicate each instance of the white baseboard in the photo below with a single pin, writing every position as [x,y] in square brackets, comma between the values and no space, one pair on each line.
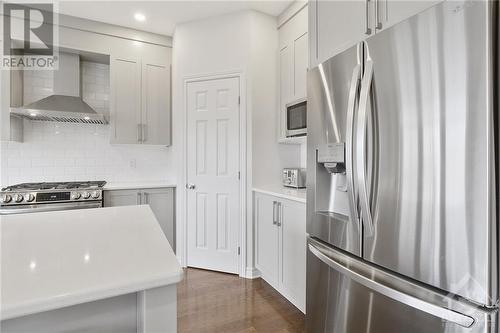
[252,273]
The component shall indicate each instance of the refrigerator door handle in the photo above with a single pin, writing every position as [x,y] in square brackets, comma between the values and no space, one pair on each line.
[366,280]
[366,83]
[351,104]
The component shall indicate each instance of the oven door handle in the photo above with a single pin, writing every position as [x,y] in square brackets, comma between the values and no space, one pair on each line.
[37,208]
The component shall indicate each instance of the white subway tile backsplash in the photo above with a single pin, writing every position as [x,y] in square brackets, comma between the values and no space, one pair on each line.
[77,154]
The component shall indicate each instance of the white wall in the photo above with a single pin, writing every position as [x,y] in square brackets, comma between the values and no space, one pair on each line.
[245,43]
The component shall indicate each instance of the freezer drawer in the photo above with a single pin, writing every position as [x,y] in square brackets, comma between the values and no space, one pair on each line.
[345,294]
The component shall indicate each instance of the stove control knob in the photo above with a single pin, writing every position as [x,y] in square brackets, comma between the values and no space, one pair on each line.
[86,195]
[6,198]
[96,195]
[18,197]
[76,195]
[30,197]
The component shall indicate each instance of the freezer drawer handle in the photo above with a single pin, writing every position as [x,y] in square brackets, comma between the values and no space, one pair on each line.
[432,309]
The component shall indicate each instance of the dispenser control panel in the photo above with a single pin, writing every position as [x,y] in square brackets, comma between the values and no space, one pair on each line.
[332,153]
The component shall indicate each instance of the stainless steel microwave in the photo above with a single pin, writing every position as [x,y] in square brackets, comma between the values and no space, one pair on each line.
[296,118]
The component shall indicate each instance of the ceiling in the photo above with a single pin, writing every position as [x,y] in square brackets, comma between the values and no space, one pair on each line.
[163,16]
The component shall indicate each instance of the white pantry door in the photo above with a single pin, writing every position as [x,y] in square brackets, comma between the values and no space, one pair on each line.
[213,216]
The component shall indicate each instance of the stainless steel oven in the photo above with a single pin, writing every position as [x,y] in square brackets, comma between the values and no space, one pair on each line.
[296,118]
[44,197]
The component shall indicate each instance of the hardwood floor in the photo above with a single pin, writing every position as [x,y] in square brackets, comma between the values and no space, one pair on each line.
[224,303]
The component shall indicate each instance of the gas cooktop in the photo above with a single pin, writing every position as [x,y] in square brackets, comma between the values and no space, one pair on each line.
[83,185]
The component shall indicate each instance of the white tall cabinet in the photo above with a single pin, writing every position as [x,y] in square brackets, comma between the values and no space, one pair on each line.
[161,201]
[293,63]
[280,245]
[335,26]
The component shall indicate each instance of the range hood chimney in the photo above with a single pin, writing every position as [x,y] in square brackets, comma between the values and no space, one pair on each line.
[66,104]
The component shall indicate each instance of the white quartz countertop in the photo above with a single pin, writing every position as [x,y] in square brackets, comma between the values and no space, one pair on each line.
[52,260]
[283,192]
[137,185]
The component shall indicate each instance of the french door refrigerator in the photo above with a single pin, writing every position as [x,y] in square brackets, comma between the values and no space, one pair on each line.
[402,178]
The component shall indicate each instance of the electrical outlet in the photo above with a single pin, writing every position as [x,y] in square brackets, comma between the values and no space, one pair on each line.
[133,163]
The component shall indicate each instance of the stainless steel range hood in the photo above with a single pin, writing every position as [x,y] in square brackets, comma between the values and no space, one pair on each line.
[66,104]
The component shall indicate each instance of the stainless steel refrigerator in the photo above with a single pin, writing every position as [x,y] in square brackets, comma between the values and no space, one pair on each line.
[402,209]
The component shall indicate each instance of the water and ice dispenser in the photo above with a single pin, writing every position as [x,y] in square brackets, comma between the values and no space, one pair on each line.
[331,189]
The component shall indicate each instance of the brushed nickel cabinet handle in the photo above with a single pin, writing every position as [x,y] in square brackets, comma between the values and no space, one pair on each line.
[368,30]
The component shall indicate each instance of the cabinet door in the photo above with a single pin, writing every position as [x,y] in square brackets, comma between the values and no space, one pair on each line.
[293,251]
[286,86]
[300,64]
[125,101]
[156,104]
[266,241]
[122,198]
[391,12]
[161,202]
[338,25]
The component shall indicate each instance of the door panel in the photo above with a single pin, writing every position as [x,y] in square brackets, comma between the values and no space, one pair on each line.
[340,25]
[213,168]
[293,250]
[300,65]
[433,203]
[156,104]
[122,198]
[161,202]
[338,303]
[286,86]
[395,11]
[266,238]
[126,101]
[328,210]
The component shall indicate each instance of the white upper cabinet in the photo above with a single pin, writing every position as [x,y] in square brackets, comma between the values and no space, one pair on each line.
[294,60]
[156,104]
[300,64]
[140,101]
[335,26]
[125,101]
[391,12]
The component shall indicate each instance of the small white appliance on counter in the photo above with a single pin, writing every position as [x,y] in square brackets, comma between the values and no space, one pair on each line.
[294,177]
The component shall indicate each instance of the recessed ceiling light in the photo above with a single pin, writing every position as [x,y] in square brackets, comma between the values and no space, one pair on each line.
[33,114]
[139,17]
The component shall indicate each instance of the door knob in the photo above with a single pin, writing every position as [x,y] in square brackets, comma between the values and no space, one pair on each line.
[190,186]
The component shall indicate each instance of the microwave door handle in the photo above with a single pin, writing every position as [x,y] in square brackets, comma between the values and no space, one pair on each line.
[351,105]
[361,148]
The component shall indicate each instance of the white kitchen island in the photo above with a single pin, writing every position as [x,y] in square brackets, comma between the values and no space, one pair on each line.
[88,270]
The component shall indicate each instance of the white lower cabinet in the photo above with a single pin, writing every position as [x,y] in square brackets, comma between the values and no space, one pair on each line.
[280,245]
[161,201]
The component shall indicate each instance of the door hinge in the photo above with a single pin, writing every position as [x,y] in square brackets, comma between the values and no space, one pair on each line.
[239,250]
[239,175]
[239,100]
